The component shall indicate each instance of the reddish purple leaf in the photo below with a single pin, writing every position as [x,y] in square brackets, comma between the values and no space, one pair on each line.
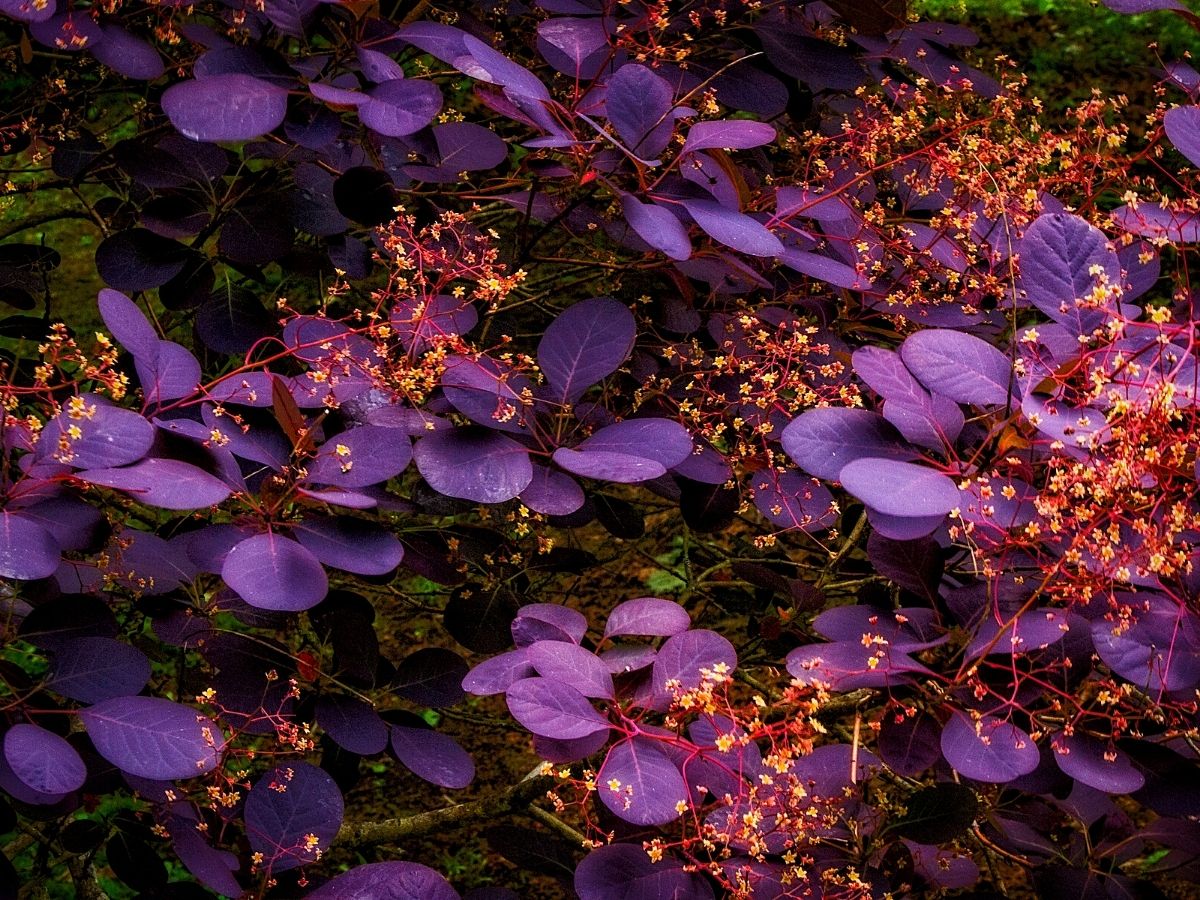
[400,107]
[432,756]
[270,571]
[91,669]
[900,488]
[733,229]
[151,737]
[27,550]
[640,783]
[638,104]
[647,617]
[360,457]
[729,134]
[553,709]
[958,365]
[657,226]
[571,664]
[850,665]
[823,441]
[498,674]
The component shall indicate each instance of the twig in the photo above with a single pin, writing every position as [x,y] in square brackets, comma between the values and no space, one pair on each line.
[555,824]
[516,799]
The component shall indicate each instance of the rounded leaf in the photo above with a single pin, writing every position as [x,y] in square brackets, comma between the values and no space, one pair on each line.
[165,483]
[432,756]
[91,669]
[27,550]
[989,750]
[553,709]
[647,617]
[152,737]
[274,572]
[474,464]
[226,107]
[43,761]
[292,814]
[585,344]
[1097,764]
[900,488]
[352,723]
[822,441]
[386,881]
[639,783]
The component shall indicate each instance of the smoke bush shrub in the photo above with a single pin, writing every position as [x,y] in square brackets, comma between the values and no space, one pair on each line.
[403,312]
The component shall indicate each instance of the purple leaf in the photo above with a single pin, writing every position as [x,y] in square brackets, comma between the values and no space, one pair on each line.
[899,488]
[1132,7]
[352,723]
[1097,764]
[584,345]
[640,783]
[562,752]
[28,10]
[487,392]
[27,550]
[1182,125]
[68,31]
[822,268]
[211,867]
[989,750]
[625,872]
[228,107]
[400,107]
[164,483]
[910,746]
[1154,220]
[1032,630]
[127,323]
[151,737]
[638,104]
[1159,650]
[172,372]
[657,226]
[657,441]
[959,366]
[687,660]
[571,664]
[351,545]
[823,441]
[474,464]
[270,571]
[419,324]
[733,229]
[553,709]
[360,457]
[498,674]
[548,622]
[930,420]
[911,628]
[434,757]
[292,814]
[729,134]
[791,500]
[488,65]
[126,54]
[386,881]
[647,617]
[1069,271]
[552,493]
[431,676]
[43,761]
[850,665]
[91,669]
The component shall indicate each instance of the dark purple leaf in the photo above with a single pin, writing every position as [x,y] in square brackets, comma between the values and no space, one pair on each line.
[400,107]
[27,550]
[899,488]
[630,451]
[657,226]
[553,709]
[151,737]
[822,268]
[270,571]
[1096,763]
[729,134]
[292,814]
[487,392]
[733,229]
[791,500]
[126,54]
[910,746]
[211,867]
[1140,6]
[989,750]
[584,345]
[138,259]
[640,783]
[823,441]
[1155,220]
[959,366]
[434,757]
[625,872]
[431,676]
[43,761]
[226,107]
[1032,630]
[67,31]
[352,723]
[164,483]
[92,669]
[419,324]
[474,464]
[638,104]
[386,881]
[571,664]
[1159,649]
[850,665]
[647,617]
